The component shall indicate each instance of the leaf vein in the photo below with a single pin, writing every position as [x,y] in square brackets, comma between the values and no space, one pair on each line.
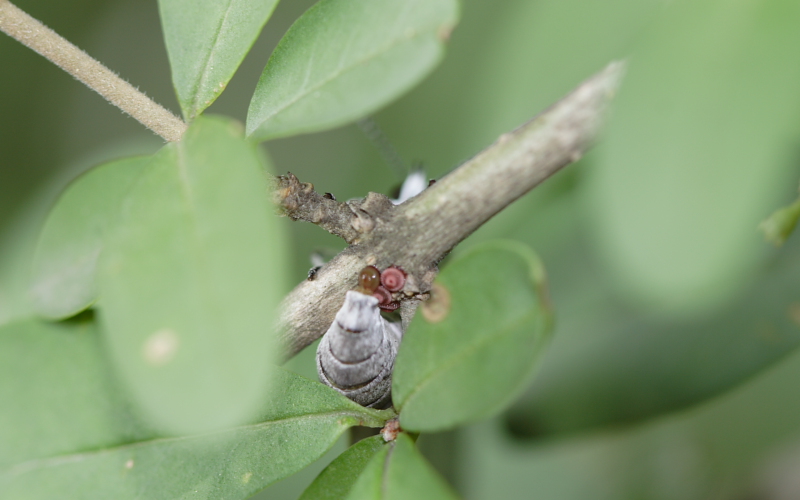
[203,76]
[41,463]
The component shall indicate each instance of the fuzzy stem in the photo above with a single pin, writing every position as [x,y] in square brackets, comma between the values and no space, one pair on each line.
[33,34]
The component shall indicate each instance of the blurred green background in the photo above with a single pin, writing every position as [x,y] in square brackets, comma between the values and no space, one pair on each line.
[673,373]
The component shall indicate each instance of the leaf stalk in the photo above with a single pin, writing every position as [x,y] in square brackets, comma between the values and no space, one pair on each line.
[33,34]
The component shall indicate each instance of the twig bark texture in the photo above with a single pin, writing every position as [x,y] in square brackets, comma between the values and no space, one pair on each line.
[33,34]
[417,234]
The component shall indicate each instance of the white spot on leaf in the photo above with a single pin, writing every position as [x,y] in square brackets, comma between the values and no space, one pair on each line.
[160,347]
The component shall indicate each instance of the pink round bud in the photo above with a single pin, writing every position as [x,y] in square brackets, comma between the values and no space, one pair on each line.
[383,295]
[393,278]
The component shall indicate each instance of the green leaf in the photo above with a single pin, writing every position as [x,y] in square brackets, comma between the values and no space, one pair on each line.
[779,226]
[69,430]
[699,146]
[63,281]
[206,41]
[230,464]
[344,59]
[190,281]
[466,360]
[620,370]
[58,396]
[370,483]
[398,471]
[338,478]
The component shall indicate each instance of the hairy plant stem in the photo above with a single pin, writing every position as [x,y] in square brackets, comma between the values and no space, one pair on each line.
[33,34]
[417,234]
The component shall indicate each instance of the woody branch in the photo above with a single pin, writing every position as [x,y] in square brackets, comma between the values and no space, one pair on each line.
[417,234]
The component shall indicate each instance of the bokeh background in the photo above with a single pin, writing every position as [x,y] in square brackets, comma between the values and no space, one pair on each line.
[672,374]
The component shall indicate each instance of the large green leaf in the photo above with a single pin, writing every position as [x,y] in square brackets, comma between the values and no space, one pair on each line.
[338,478]
[206,41]
[234,463]
[699,148]
[469,358]
[611,368]
[57,394]
[346,58]
[63,281]
[398,471]
[190,281]
[69,430]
